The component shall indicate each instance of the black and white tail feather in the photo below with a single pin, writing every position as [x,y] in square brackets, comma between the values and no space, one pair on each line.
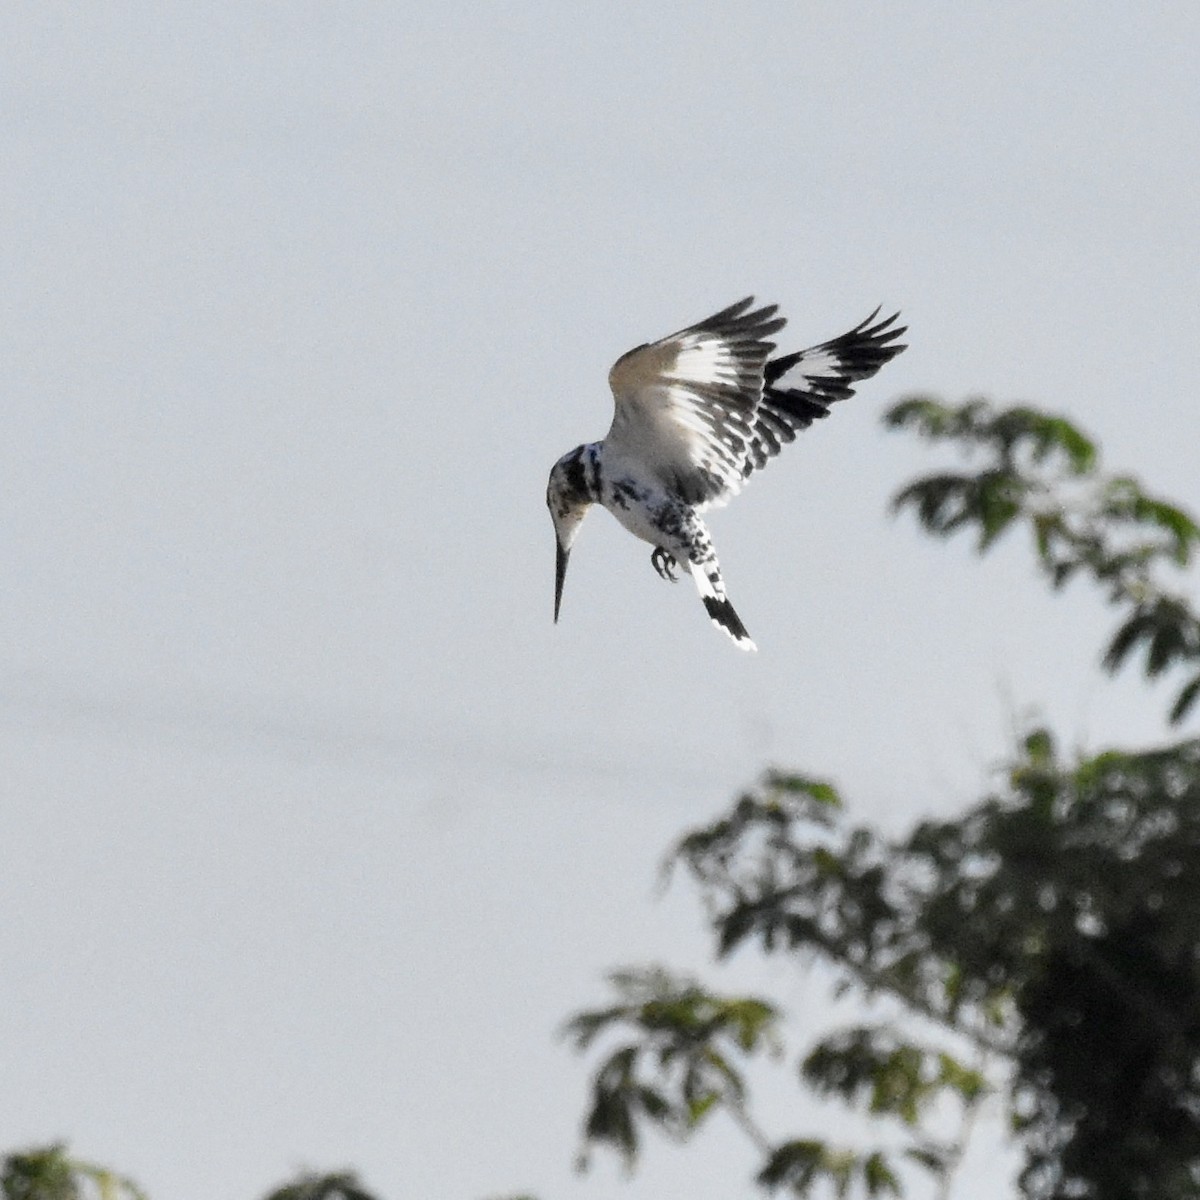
[695,414]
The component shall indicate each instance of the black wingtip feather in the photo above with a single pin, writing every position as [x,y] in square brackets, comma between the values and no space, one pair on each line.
[788,406]
[754,325]
[861,350]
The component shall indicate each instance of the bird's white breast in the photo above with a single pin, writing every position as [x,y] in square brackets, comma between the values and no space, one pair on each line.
[635,495]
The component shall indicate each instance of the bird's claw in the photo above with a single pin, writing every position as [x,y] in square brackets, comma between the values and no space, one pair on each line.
[664,563]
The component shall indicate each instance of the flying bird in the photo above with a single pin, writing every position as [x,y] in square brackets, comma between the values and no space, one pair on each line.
[695,414]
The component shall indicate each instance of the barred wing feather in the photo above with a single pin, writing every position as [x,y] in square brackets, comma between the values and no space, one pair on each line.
[799,388]
[688,405]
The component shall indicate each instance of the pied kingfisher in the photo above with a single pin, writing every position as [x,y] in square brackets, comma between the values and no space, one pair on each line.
[696,413]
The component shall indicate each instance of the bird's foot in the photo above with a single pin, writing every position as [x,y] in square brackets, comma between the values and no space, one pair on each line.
[665,564]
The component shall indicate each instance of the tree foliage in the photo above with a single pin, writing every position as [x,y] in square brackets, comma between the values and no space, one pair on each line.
[687,1040]
[1040,471]
[50,1173]
[1043,946]
[312,1185]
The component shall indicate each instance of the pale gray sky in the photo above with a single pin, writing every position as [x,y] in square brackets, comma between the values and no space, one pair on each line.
[314,827]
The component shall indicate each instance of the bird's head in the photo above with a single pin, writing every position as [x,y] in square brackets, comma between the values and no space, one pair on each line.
[569,495]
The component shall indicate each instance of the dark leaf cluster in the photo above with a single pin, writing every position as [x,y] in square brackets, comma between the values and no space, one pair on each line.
[802,1165]
[680,1054]
[878,1069]
[1041,471]
[780,867]
[51,1173]
[1056,923]
[312,1185]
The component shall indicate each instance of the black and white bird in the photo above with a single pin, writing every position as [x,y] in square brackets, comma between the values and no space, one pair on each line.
[696,413]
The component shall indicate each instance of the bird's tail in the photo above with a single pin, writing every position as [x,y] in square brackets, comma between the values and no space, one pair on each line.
[712,592]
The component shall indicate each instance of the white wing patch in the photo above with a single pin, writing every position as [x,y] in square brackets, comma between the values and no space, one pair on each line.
[799,388]
[685,405]
[819,363]
[705,359]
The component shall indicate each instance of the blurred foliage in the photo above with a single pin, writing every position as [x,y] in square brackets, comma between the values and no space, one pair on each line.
[779,868]
[1043,947]
[1053,928]
[679,1060]
[309,1185]
[1040,471]
[49,1173]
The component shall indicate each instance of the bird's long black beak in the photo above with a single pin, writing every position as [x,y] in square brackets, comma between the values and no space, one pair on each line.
[560,573]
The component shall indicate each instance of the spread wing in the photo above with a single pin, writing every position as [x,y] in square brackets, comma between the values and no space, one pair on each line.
[685,406]
[799,388]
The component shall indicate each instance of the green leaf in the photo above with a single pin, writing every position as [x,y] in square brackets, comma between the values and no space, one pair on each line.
[794,1163]
[839,1166]
[879,1177]
[968,1083]
[1174,521]
[1185,700]
[1139,627]
[585,1026]
[944,502]
[1048,527]
[997,505]
[928,416]
[309,1185]
[1039,747]
[819,790]
[932,1158]
[700,1107]
[1079,449]
[49,1173]
[653,1103]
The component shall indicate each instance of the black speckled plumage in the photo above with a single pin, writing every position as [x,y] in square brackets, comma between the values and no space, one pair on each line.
[695,414]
